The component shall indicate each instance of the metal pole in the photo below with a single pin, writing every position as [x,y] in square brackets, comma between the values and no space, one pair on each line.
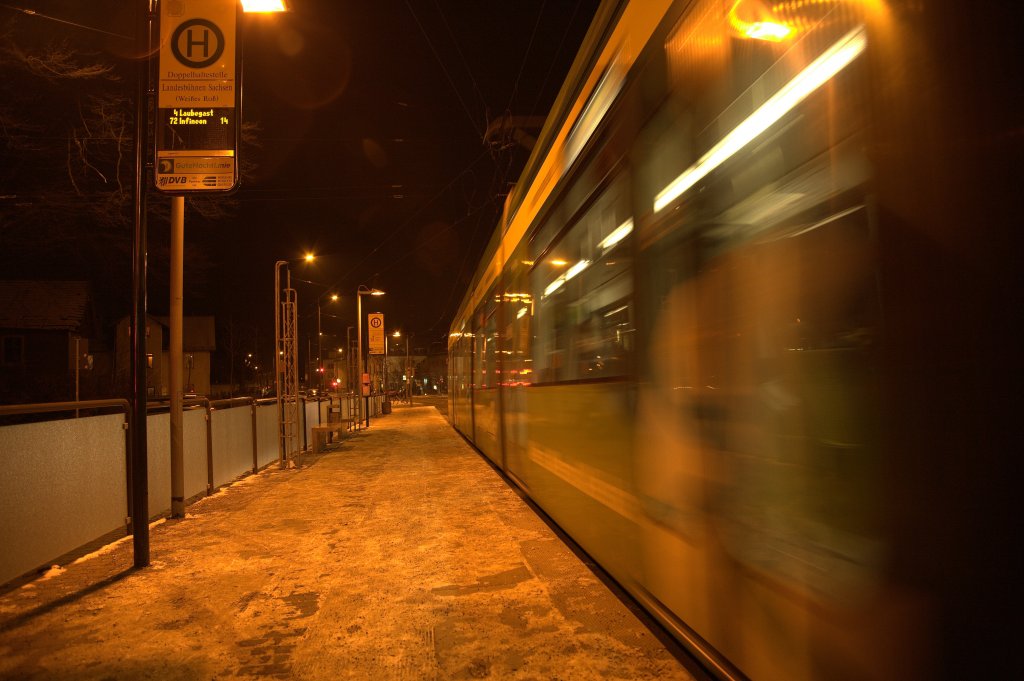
[78,354]
[359,360]
[139,453]
[176,353]
[294,324]
[348,359]
[319,347]
[278,360]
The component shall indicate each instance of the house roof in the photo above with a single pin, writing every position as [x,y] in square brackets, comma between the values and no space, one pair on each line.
[43,305]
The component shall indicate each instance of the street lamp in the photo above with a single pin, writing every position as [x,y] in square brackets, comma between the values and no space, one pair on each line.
[360,292]
[285,329]
[320,336]
[387,366]
[286,355]
[405,371]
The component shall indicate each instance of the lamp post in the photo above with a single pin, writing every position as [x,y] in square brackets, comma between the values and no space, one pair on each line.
[405,372]
[320,337]
[286,357]
[360,292]
[283,317]
[408,368]
[349,366]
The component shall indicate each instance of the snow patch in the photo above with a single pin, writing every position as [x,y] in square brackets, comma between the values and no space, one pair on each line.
[54,571]
[113,545]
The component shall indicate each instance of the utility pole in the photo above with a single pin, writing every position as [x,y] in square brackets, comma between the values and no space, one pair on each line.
[139,509]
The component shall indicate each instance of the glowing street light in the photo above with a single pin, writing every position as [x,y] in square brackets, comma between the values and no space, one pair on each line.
[264,6]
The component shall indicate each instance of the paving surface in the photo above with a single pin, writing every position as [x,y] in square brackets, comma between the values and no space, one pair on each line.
[398,555]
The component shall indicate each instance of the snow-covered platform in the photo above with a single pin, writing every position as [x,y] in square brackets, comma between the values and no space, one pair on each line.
[400,554]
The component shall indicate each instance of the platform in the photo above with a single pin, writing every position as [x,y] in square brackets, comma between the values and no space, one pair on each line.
[399,554]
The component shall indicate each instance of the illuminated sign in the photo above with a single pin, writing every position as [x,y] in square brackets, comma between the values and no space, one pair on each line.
[197,97]
[375,323]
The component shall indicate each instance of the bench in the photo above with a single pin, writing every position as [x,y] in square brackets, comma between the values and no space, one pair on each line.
[325,429]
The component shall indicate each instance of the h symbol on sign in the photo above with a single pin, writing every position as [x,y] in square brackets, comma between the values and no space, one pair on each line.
[205,42]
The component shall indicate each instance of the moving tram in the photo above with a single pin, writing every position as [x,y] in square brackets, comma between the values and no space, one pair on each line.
[737,329]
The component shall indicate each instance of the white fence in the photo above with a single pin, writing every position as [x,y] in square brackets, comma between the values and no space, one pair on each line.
[64,483]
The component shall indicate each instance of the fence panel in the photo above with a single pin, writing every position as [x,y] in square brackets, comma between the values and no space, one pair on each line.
[232,443]
[63,485]
[194,454]
[158,468]
[268,447]
[309,412]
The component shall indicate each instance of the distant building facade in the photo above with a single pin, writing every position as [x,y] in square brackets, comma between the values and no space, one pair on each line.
[46,329]
[198,344]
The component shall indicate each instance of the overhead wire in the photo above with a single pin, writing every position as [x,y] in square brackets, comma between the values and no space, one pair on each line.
[553,60]
[455,42]
[409,220]
[447,75]
[33,13]
[456,282]
[526,56]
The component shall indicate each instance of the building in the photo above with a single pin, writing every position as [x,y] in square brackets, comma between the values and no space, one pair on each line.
[44,326]
[198,344]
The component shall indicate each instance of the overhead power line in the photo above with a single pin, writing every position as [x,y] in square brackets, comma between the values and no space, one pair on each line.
[476,128]
[33,13]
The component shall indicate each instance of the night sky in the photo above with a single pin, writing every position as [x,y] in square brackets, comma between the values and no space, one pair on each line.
[369,152]
[373,118]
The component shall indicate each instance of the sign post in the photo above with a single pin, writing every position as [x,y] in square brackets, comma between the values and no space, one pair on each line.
[198,97]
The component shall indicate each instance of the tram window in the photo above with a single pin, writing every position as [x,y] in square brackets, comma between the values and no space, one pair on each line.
[485,336]
[479,366]
[583,292]
[490,346]
[519,311]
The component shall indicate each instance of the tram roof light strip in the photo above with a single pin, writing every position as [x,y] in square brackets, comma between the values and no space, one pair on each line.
[593,111]
[620,233]
[560,281]
[819,72]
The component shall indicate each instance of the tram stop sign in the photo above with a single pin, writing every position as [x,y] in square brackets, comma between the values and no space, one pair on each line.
[375,321]
[198,97]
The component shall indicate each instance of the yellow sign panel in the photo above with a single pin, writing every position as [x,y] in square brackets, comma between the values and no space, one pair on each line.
[197,97]
[375,323]
[197,54]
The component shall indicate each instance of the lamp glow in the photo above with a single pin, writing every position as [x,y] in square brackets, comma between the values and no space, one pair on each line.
[767,30]
[264,6]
